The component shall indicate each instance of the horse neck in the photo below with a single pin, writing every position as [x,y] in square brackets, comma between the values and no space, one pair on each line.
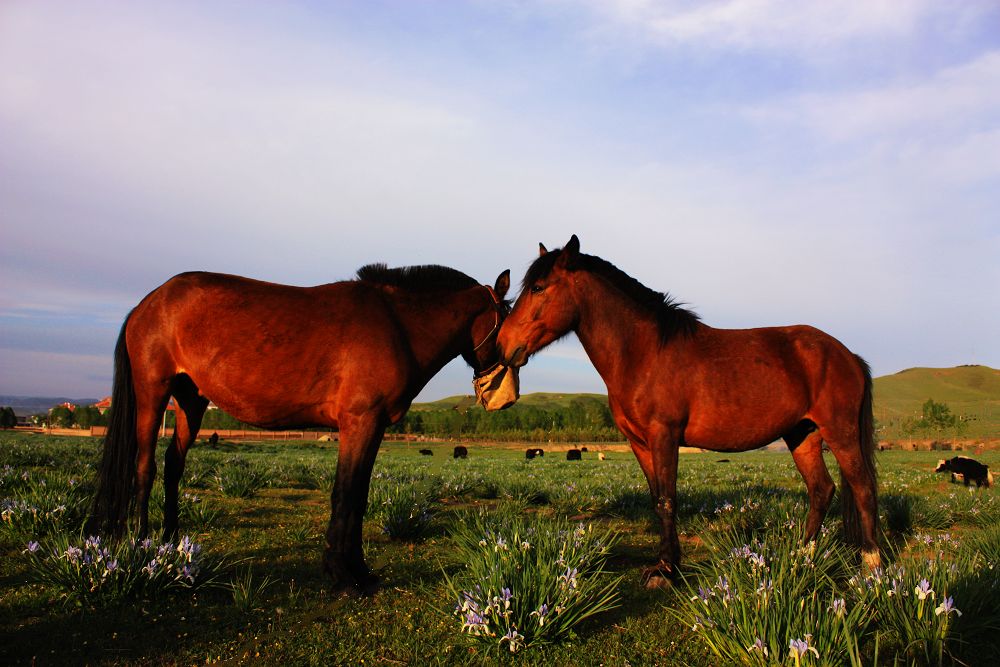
[437,325]
[611,327]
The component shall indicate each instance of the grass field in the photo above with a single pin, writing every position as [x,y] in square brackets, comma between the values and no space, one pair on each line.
[257,513]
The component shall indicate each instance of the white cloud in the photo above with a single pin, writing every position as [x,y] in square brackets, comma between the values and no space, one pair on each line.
[958,99]
[805,28]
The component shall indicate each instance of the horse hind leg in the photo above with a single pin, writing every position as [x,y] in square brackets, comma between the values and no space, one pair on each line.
[859,492]
[191,408]
[806,446]
[151,402]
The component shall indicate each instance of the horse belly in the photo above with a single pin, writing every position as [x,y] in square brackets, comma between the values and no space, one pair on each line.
[738,426]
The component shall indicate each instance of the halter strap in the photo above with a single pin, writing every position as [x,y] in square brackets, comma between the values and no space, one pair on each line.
[496,313]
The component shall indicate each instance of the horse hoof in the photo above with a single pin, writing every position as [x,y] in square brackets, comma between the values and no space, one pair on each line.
[660,576]
[367,586]
[658,582]
[356,581]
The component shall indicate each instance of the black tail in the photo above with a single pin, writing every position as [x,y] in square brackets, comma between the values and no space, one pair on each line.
[866,432]
[116,476]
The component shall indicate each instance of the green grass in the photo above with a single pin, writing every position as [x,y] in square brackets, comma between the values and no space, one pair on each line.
[273,605]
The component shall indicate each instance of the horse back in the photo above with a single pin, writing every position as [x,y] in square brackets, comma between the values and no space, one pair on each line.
[765,380]
[262,350]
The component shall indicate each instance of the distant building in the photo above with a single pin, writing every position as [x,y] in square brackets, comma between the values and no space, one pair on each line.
[105,403]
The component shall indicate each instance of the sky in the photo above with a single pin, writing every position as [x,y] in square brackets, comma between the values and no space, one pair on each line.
[767,162]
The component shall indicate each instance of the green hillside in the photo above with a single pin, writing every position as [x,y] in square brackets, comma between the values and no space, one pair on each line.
[972,392]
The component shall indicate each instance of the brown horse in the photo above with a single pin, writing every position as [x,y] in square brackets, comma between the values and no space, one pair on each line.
[674,381]
[349,355]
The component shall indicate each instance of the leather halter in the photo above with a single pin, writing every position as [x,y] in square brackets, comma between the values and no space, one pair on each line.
[496,313]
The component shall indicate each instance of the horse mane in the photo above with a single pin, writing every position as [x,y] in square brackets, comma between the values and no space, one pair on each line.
[425,278]
[671,317]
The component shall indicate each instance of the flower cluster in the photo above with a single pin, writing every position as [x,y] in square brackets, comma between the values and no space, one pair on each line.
[533,582]
[101,572]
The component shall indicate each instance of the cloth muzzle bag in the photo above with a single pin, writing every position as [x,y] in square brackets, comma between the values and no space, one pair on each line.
[497,388]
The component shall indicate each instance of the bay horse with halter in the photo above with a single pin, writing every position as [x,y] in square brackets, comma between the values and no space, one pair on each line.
[674,381]
[349,355]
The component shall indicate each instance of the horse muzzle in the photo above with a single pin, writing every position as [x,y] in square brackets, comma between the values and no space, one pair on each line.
[517,358]
[497,387]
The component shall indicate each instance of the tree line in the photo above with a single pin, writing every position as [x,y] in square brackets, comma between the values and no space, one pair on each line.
[583,419]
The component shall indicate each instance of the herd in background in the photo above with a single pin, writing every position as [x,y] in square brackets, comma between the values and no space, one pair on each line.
[462,452]
[962,468]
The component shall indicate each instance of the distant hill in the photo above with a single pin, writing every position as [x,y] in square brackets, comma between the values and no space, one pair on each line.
[972,391]
[34,405]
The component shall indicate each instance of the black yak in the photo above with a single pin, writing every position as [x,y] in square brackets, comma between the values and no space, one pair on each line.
[970,470]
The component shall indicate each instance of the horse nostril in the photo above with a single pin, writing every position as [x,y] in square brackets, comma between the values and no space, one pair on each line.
[517,357]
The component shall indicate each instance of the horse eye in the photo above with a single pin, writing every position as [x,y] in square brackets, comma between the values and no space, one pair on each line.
[536,288]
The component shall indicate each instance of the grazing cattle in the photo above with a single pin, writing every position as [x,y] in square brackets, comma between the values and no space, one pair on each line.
[426,452]
[574,455]
[213,439]
[532,452]
[601,456]
[461,452]
[583,449]
[723,461]
[970,470]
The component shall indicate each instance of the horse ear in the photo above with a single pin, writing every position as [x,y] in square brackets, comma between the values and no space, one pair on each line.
[502,284]
[569,253]
[541,250]
[573,246]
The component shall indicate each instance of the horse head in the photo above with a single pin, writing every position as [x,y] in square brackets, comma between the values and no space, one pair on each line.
[545,311]
[496,385]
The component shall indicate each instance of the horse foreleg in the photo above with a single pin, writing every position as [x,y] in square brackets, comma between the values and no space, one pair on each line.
[343,557]
[662,478]
[808,456]
[191,410]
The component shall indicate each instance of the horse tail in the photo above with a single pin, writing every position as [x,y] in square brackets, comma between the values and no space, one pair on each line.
[866,438]
[116,474]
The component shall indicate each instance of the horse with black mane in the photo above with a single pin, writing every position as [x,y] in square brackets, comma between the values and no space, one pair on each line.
[674,381]
[350,355]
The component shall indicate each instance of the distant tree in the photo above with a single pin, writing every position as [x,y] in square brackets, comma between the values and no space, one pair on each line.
[85,417]
[7,418]
[937,416]
[61,417]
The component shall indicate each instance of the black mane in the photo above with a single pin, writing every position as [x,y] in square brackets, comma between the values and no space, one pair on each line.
[426,278]
[671,317]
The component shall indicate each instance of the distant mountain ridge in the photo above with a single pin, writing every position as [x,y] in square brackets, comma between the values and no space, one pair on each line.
[33,405]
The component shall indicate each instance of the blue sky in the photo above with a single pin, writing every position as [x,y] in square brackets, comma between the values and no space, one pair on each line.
[766,161]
